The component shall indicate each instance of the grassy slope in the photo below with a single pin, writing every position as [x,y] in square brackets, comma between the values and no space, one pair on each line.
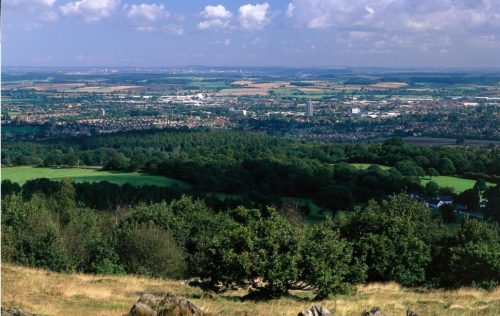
[50,293]
[364,166]
[458,184]
[23,174]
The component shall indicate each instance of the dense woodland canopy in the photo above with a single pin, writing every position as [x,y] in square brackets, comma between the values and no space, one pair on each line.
[261,168]
[396,240]
[254,235]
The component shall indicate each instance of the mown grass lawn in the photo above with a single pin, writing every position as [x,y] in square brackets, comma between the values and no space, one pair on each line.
[364,166]
[87,174]
[459,185]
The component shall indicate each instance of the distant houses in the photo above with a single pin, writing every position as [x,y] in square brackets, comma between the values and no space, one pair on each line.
[443,200]
[440,201]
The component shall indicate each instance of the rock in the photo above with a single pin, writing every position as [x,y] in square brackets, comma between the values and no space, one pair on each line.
[15,312]
[374,312]
[172,306]
[145,306]
[315,310]
[410,312]
[169,305]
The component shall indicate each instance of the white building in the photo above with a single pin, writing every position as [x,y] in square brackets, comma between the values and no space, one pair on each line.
[310,109]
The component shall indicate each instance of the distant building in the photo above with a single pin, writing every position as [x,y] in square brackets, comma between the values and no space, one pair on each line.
[239,112]
[355,111]
[310,109]
[102,112]
[440,201]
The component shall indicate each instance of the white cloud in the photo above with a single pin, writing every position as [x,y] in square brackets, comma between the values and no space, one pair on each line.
[254,16]
[216,12]
[215,16]
[145,16]
[213,24]
[484,41]
[410,15]
[289,10]
[173,29]
[225,42]
[27,4]
[91,10]
[49,16]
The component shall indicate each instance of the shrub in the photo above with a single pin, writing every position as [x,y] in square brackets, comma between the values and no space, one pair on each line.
[389,238]
[475,258]
[327,264]
[32,234]
[150,250]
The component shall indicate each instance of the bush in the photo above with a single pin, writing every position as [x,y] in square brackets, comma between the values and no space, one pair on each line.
[475,258]
[389,238]
[273,256]
[150,250]
[327,264]
[32,236]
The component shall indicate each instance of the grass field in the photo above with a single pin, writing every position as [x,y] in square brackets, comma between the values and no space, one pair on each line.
[48,293]
[89,174]
[458,184]
[367,165]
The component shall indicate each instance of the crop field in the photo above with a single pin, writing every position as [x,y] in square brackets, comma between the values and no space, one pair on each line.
[89,174]
[458,184]
[49,293]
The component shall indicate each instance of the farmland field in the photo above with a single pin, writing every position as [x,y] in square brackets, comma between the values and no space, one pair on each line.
[89,174]
[458,184]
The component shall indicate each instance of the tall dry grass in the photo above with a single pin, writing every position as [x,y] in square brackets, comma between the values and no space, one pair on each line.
[50,293]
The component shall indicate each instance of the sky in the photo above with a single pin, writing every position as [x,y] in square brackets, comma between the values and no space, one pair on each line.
[298,33]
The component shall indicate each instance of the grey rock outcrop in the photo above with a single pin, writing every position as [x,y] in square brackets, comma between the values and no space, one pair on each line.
[15,312]
[169,305]
[315,310]
[411,313]
[374,312]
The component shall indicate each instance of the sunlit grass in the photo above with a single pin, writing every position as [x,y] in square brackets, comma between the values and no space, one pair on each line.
[87,174]
[459,185]
[50,293]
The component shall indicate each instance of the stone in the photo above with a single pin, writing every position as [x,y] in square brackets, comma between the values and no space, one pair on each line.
[410,312]
[315,310]
[169,305]
[172,306]
[15,312]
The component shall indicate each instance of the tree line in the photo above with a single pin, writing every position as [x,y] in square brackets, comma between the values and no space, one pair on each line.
[270,250]
[262,168]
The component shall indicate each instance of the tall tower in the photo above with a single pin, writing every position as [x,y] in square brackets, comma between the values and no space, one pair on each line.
[310,109]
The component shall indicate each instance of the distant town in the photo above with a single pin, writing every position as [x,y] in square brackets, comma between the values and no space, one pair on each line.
[344,107]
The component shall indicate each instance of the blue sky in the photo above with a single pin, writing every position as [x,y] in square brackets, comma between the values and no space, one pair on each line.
[385,33]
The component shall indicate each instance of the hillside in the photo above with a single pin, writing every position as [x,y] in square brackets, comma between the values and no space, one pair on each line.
[50,293]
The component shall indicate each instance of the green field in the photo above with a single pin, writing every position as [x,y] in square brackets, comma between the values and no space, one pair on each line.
[458,184]
[89,174]
[19,130]
[364,166]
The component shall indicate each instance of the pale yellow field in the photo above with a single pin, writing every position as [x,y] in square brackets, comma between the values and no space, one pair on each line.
[106,89]
[50,293]
[389,85]
[263,88]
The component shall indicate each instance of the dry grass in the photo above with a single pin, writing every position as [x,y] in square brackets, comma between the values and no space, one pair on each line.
[51,293]
[251,88]
[389,85]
